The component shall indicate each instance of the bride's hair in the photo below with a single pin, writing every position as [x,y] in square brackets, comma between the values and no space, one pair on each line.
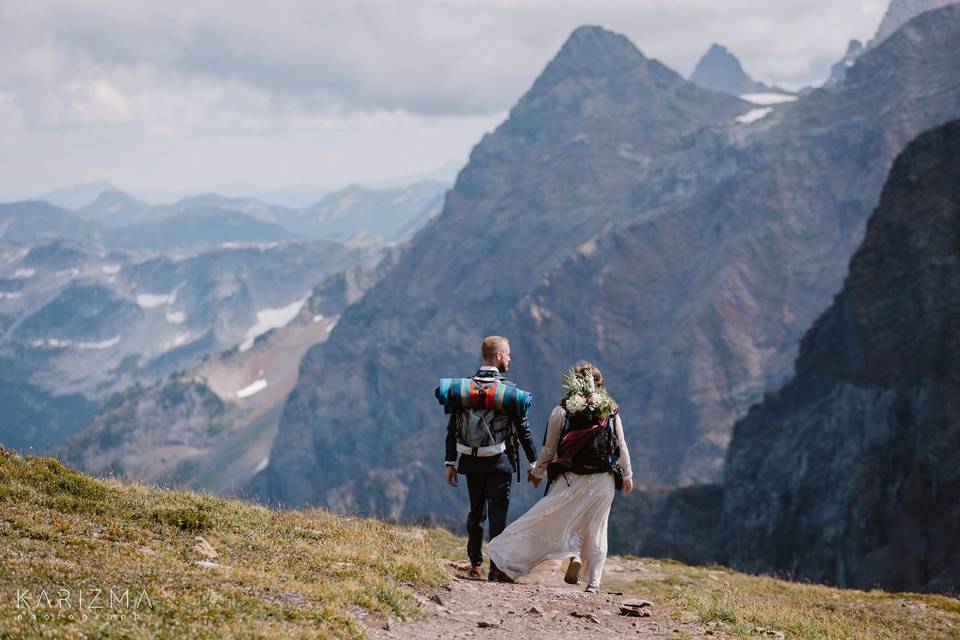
[583,367]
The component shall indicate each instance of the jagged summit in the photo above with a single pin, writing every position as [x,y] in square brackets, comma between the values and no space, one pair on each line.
[591,51]
[598,75]
[599,42]
[719,70]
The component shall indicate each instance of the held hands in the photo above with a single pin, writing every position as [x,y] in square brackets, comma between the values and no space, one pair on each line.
[451,475]
[627,486]
[534,480]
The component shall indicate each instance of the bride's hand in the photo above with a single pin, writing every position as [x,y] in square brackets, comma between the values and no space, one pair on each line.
[534,480]
[627,486]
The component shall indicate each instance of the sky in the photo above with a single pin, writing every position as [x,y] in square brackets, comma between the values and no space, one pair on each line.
[166,98]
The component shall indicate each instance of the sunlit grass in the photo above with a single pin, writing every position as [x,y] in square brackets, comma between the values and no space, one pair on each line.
[739,604]
[280,574]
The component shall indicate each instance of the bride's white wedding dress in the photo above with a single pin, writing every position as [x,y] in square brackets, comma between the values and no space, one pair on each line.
[571,520]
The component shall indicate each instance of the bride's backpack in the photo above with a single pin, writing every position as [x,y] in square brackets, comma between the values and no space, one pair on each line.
[600,453]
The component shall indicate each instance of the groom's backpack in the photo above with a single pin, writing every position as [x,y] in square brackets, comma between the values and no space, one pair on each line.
[478,432]
[485,409]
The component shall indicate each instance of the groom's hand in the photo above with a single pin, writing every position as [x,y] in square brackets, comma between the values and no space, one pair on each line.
[534,480]
[451,475]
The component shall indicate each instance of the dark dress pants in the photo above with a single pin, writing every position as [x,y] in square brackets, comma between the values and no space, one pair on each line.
[489,493]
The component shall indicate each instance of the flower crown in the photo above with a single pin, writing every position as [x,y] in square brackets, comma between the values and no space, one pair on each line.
[581,394]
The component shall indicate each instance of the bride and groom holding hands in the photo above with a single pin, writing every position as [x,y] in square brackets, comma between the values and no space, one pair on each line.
[584,459]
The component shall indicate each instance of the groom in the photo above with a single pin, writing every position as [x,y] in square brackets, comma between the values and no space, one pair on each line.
[489,477]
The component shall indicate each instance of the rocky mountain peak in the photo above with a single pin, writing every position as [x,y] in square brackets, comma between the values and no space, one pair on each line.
[720,70]
[592,51]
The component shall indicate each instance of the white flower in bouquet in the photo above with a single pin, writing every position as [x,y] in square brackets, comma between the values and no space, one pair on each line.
[576,403]
[591,384]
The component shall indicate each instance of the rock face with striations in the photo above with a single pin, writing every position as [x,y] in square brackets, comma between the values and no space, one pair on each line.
[851,473]
[902,11]
[620,214]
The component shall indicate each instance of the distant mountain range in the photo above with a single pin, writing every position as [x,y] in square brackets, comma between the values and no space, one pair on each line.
[700,242]
[78,195]
[212,425]
[116,220]
[119,292]
[79,324]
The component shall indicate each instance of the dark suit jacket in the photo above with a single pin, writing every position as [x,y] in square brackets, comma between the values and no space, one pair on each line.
[490,464]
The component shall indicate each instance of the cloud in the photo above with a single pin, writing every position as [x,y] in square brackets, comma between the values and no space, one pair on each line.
[430,57]
[236,95]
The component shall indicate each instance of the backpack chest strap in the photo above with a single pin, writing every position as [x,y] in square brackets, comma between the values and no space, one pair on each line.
[482,452]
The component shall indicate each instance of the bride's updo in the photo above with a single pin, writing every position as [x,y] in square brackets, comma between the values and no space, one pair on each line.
[582,367]
[585,370]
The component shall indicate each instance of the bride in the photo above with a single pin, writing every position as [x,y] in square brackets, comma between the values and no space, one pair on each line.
[579,458]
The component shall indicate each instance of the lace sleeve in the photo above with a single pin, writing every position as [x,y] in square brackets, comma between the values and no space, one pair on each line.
[624,452]
[549,450]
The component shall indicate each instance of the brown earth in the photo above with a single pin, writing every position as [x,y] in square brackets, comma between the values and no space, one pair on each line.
[543,606]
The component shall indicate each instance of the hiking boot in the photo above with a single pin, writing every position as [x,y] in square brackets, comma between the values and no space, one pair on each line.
[475,572]
[572,576]
[592,588]
[499,576]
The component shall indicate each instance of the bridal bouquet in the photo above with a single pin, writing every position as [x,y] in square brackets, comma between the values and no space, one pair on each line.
[581,395]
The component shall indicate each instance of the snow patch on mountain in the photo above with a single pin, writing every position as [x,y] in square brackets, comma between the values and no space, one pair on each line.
[268,319]
[767,98]
[252,388]
[753,115]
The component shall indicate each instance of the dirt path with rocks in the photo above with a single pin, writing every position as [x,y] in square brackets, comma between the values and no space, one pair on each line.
[542,605]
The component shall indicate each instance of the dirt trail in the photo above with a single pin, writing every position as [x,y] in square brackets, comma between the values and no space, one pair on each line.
[541,606]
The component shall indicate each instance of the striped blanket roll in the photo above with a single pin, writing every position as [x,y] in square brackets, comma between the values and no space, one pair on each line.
[466,393]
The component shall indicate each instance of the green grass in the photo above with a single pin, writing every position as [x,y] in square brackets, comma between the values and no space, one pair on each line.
[292,574]
[739,603]
[285,573]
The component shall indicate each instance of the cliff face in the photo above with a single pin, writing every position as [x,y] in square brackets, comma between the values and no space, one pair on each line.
[851,473]
[620,214]
[902,11]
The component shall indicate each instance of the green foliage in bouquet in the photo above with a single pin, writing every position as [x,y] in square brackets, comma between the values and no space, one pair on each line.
[581,394]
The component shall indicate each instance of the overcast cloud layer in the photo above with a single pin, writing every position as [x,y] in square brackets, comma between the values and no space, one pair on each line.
[241,97]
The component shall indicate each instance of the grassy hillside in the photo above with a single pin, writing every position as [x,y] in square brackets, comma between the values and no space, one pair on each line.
[279,574]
